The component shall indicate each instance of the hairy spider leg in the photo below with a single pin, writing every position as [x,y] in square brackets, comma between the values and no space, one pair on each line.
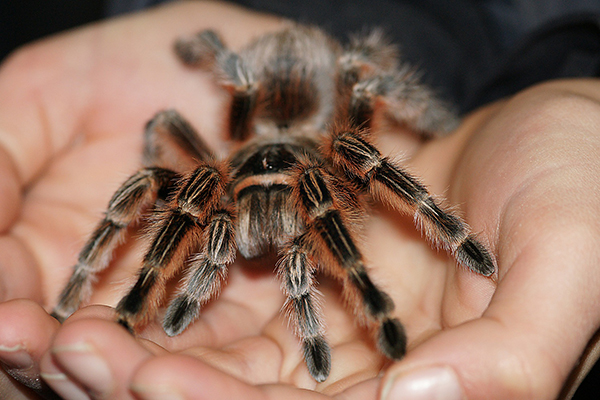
[206,50]
[135,194]
[350,150]
[199,50]
[206,273]
[365,54]
[403,99]
[171,142]
[177,231]
[373,77]
[328,229]
[295,270]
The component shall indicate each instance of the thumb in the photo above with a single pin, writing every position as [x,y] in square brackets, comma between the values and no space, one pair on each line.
[525,344]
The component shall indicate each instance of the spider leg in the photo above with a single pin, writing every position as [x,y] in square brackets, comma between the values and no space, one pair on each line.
[351,151]
[206,50]
[364,55]
[371,73]
[296,273]
[171,142]
[327,228]
[176,232]
[404,100]
[199,50]
[136,193]
[206,273]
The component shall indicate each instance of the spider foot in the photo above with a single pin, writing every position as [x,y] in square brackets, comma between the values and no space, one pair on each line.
[392,339]
[125,324]
[181,312]
[60,318]
[317,356]
[475,256]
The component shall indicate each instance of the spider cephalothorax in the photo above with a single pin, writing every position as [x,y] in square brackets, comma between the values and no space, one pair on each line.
[301,113]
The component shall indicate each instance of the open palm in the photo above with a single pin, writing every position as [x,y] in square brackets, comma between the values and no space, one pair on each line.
[72,110]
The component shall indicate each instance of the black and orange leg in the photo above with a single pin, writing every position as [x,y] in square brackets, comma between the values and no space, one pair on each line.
[374,79]
[351,151]
[200,50]
[402,98]
[327,229]
[177,232]
[124,208]
[365,55]
[296,271]
[206,50]
[205,275]
[171,142]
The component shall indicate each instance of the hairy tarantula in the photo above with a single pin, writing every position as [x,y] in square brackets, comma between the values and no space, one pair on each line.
[300,115]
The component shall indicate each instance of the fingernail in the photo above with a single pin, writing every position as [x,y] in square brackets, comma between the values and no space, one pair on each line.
[64,387]
[15,357]
[439,383]
[144,392]
[82,364]
[19,364]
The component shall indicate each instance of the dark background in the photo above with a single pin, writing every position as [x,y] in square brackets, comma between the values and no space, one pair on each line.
[471,52]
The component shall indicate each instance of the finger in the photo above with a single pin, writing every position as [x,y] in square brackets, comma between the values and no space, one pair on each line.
[184,377]
[19,275]
[25,335]
[17,267]
[545,308]
[256,360]
[537,324]
[261,360]
[10,188]
[93,358]
[361,391]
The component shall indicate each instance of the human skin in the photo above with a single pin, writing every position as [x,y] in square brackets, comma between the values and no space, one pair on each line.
[523,172]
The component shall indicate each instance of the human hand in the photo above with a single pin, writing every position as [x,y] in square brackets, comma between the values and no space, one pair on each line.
[71,113]
[240,345]
[528,178]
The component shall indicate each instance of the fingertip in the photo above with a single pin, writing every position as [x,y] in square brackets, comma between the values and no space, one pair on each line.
[480,359]
[25,321]
[95,355]
[437,382]
[25,334]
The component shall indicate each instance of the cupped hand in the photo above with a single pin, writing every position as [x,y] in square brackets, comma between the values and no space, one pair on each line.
[527,177]
[524,173]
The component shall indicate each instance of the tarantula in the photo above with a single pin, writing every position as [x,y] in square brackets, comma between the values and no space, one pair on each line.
[300,116]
